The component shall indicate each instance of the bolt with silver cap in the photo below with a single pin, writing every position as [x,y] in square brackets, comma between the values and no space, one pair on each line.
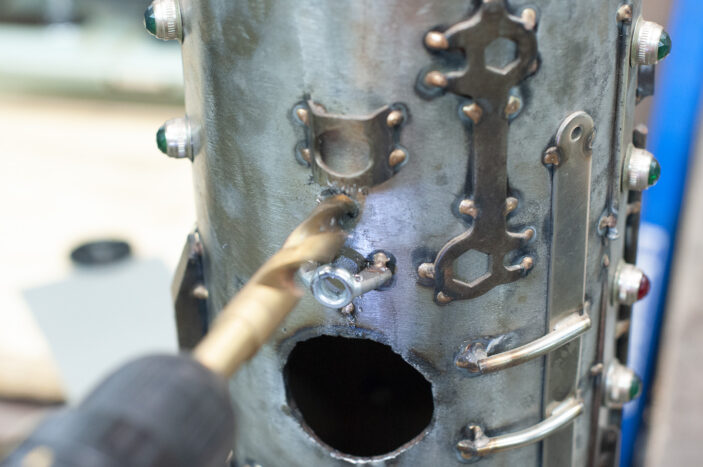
[622,385]
[175,138]
[650,43]
[162,19]
[336,286]
[630,284]
[641,170]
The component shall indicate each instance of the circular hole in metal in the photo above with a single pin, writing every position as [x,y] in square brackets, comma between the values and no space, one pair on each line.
[576,133]
[356,395]
[101,252]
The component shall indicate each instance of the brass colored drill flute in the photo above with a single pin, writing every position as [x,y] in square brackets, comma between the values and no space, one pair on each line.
[251,316]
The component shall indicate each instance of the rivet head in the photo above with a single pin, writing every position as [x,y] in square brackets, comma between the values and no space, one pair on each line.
[551,157]
[443,298]
[303,115]
[397,157]
[624,13]
[394,118]
[436,79]
[527,263]
[473,111]
[529,18]
[513,106]
[510,205]
[436,40]
[426,271]
[468,207]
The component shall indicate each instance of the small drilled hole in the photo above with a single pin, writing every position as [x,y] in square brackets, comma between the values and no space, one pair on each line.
[576,133]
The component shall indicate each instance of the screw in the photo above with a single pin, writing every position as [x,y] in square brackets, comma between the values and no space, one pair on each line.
[468,208]
[436,79]
[514,104]
[397,157]
[473,111]
[162,19]
[436,40]
[174,139]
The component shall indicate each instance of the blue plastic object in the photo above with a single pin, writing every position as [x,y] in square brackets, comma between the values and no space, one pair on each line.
[672,139]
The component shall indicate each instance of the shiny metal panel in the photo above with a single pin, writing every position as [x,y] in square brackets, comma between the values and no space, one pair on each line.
[247,64]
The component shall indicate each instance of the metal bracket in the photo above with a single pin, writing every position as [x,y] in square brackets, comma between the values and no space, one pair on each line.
[353,152]
[488,202]
[475,356]
[480,445]
[190,295]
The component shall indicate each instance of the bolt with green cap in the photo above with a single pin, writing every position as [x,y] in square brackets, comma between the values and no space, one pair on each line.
[162,19]
[650,43]
[622,385]
[641,170]
[175,139]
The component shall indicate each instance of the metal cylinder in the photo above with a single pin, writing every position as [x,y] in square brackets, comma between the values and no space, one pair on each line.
[466,130]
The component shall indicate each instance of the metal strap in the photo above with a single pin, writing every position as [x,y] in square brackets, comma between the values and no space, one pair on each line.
[481,445]
[475,356]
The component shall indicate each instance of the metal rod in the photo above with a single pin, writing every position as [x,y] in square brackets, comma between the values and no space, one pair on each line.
[482,445]
[250,318]
[476,359]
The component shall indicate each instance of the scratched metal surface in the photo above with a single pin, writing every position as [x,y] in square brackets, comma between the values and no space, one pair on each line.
[247,63]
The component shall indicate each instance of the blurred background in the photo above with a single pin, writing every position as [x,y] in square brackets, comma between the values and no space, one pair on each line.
[83,89]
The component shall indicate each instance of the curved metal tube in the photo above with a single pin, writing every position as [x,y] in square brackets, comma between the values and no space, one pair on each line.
[475,357]
[481,445]
[252,315]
